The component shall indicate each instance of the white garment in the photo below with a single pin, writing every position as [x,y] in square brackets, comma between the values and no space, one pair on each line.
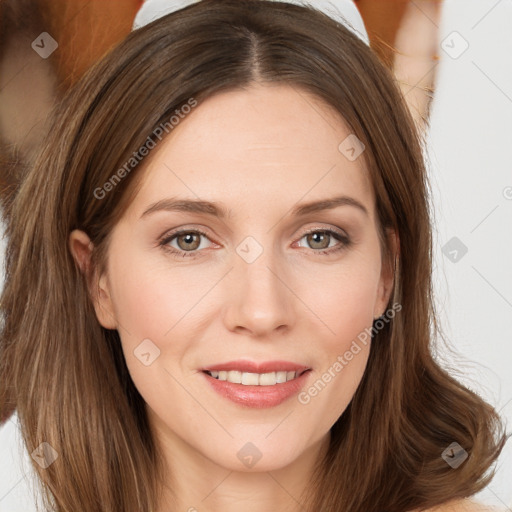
[344,11]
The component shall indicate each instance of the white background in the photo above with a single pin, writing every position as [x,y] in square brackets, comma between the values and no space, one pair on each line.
[470,147]
[470,153]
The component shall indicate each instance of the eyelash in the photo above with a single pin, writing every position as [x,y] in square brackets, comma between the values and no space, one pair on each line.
[345,241]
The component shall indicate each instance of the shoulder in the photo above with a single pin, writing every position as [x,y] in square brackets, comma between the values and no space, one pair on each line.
[466,505]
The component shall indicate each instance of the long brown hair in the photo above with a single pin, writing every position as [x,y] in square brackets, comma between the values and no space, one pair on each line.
[66,375]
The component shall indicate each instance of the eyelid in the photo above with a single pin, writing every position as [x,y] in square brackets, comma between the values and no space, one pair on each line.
[200,229]
[338,231]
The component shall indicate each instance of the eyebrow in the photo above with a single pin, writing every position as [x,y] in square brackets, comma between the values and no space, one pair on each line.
[217,210]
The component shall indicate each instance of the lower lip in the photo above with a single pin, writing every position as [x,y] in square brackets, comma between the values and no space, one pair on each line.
[258,397]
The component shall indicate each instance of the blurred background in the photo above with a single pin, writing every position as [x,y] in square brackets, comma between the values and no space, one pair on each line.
[449,59]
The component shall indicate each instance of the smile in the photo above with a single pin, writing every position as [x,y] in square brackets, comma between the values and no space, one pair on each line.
[254,379]
[257,390]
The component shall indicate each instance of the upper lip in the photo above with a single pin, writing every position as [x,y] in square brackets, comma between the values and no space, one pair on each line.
[254,367]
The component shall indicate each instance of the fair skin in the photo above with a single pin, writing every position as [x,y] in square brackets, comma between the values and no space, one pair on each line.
[415,59]
[259,152]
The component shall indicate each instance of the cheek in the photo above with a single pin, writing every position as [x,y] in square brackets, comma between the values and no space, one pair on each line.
[343,302]
[153,301]
[151,311]
[342,299]
[343,296]
[149,298]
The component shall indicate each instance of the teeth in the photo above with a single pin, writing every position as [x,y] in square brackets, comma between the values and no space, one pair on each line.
[268,379]
[254,379]
[281,376]
[250,379]
[235,377]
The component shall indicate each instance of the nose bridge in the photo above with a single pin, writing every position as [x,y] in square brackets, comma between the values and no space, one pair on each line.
[262,302]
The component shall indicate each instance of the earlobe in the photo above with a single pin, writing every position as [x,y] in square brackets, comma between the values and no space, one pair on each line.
[81,248]
[103,304]
[387,278]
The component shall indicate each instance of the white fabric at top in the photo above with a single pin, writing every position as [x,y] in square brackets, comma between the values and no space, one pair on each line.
[344,11]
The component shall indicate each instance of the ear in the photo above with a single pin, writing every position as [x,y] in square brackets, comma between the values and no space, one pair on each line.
[387,277]
[81,249]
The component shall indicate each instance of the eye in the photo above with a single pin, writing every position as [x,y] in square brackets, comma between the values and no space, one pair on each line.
[320,240]
[188,242]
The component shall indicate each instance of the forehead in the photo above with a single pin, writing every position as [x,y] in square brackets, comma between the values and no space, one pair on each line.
[261,147]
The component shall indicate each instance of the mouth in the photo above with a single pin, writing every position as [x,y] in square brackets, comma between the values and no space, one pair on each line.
[257,385]
[255,379]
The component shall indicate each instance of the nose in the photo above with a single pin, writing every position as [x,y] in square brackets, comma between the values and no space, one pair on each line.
[259,300]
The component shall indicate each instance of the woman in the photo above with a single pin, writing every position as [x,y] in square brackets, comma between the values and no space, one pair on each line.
[219,275]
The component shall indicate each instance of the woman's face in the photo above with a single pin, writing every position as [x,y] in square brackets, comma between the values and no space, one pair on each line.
[275,278]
